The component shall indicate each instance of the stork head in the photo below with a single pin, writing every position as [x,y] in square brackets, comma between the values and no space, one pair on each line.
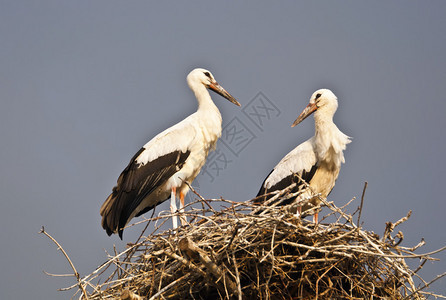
[201,77]
[323,101]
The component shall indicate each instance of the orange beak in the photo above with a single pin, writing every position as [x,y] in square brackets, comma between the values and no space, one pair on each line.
[311,108]
[222,92]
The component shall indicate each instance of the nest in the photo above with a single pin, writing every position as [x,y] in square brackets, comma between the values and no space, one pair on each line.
[236,253]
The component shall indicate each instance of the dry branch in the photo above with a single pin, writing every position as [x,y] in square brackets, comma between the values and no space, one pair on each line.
[234,253]
[76,274]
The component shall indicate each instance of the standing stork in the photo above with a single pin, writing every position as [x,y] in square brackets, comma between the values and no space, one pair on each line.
[163,167]
[317,161]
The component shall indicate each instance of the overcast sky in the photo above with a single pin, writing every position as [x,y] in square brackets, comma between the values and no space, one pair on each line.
[84,84]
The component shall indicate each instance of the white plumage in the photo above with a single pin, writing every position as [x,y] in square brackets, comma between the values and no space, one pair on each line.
[163,166]
[317,160]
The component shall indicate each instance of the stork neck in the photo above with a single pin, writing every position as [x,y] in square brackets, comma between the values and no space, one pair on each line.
[325,132]
[322,123]
[204,99]
[209,117]
[329,141]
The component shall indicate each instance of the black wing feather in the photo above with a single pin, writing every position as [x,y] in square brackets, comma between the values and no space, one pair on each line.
[284,183]
[134,184]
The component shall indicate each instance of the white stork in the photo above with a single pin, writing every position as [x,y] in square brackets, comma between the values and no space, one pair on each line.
[161,168]
[317,161]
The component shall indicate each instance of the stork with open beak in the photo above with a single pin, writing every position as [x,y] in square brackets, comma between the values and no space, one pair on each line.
[163,166]
[317,161]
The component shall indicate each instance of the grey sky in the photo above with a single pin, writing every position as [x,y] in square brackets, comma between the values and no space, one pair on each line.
[84,84]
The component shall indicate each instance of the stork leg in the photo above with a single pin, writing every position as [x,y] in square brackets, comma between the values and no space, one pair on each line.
[299,210]
[316,218]
[183,218]
[173,207]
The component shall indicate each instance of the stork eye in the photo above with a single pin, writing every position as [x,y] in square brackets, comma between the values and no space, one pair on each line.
[207,74]
[318,96]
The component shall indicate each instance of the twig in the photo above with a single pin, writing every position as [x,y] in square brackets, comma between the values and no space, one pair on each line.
[237,278]
[236,253]
[76,274]
[391,226]
[192,250]
[168,287]
[202,199]
[428,284]
[362,202]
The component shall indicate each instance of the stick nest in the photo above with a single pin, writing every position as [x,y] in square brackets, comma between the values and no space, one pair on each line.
[271,254]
